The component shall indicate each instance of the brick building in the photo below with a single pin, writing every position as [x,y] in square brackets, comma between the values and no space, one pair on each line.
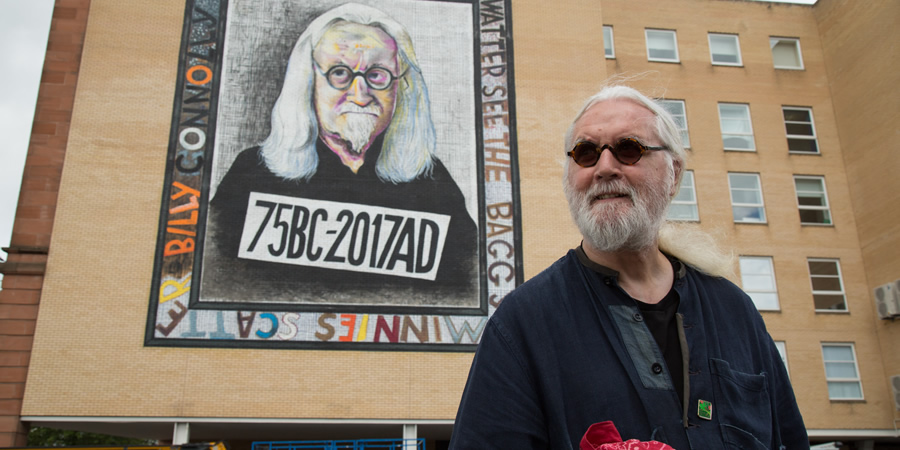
[790,112]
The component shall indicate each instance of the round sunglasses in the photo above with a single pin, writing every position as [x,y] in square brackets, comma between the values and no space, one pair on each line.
[627,151]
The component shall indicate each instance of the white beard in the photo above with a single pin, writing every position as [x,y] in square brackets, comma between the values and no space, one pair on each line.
[358,131]
[359,125]
[607,228]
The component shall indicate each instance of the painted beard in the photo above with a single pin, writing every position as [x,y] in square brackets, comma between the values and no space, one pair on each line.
[607,228]
[359,126]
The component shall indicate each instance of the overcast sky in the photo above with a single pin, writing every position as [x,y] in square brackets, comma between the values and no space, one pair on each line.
[24,25]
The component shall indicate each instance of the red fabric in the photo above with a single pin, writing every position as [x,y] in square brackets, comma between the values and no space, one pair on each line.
[605,436]
[598,434]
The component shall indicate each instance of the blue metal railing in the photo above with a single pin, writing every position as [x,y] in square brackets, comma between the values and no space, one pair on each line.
[360,444]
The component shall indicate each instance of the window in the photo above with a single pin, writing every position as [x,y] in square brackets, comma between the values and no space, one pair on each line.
[684,205]
[786,53]
[812,200]
[661,45]
[724,49]
[676,109]
[841,372]
[737,132]
[608,45]
[746,198]
[758,280]
[827,287]
[801,134]
[782,351]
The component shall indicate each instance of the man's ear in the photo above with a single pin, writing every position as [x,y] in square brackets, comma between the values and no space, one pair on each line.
[677,169]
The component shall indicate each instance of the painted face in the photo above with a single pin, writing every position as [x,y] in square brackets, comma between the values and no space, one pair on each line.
[617,206]
[352,115]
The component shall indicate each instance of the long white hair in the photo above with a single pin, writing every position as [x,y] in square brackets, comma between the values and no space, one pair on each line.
[409,141]
[687,242]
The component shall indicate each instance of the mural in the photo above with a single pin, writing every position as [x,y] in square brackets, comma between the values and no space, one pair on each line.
[341,175]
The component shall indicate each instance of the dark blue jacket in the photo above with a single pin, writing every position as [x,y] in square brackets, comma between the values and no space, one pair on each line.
[569,348]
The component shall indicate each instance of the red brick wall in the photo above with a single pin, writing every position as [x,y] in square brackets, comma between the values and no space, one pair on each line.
[29,246]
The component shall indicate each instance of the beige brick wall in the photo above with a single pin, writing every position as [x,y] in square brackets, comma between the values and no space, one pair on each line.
[855,38]
[27,254]
[89,358]
[766,90]
[557,68]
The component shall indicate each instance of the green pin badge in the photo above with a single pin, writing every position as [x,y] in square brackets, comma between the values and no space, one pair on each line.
[704,409]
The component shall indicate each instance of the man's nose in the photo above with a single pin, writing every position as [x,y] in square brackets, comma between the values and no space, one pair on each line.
[607,165]
[359,92]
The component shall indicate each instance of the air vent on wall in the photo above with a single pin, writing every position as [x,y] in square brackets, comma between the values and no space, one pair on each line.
[887,300]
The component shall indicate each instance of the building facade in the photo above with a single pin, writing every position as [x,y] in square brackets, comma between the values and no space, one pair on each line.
[789,112]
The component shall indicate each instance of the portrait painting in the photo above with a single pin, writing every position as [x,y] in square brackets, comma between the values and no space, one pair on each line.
[345,164]
[335,159]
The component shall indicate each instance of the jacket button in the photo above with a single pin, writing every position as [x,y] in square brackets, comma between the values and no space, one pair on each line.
[637,317]
[607,281]
[656,368]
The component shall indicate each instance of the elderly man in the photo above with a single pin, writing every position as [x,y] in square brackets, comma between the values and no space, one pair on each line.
[627,327]
[345,201]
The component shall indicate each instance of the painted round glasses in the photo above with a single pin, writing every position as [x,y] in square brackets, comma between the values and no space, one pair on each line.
[627,151]
[341,77]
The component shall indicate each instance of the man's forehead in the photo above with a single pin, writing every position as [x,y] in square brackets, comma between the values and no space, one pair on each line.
[354,37]
[618,115]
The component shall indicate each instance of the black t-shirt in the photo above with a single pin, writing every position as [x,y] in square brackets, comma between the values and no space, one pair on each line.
[226,277]
[660,319]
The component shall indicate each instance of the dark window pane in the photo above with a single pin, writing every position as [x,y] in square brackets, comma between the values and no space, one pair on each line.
[830,302]
[815,216]
[803,129]
[804,200]
[803,145]
[826,284]
[823,268]
[796,115]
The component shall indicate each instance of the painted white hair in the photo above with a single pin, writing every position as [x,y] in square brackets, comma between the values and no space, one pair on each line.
[409,141]
[687,242]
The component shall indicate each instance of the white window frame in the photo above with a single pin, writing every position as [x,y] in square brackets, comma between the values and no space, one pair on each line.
[843,380]
[737,49]
[609,43]
[660,33]
[761,205]
[775,40]
[781,346]
[680,119]
[687,185]
[770,274]
[826,208]
[745,109]
[840,280]
[804,137]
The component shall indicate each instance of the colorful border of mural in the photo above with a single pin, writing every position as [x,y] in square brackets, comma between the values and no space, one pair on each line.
[176,319]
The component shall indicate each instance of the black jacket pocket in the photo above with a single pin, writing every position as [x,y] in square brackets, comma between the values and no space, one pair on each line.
[743,406]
